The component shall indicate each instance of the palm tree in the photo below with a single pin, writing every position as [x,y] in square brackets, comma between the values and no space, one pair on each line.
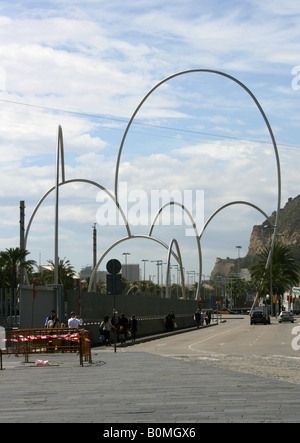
[66,274]
[11,260]
[285,272]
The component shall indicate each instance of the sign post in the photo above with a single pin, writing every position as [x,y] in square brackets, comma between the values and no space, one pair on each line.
[114,286]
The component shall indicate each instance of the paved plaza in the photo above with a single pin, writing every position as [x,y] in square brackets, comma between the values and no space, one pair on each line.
[138,387]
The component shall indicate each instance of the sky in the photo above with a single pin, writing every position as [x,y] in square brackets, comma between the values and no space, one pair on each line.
[197,139]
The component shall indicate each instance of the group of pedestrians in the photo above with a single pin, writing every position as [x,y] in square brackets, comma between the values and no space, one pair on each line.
[52,321]
[119,327]
[200,317]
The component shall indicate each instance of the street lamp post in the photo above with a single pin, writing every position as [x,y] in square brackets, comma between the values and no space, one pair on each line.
[144,261]
[126,254]
[271,273]
[158,263]
[239,248]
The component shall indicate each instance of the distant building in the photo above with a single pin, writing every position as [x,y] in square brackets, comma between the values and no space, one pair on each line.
[87,271]
[131,272]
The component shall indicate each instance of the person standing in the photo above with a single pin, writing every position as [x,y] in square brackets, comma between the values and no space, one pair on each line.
[49,317]
[53,322]
[73,321]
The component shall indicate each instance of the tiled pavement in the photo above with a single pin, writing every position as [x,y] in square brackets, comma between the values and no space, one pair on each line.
[137,387]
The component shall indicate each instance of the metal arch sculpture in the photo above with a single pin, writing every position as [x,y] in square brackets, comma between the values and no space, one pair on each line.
[147,237]
[76,180]
[230,204]
[176,243]
[238,82]
[66,182]
[60,152]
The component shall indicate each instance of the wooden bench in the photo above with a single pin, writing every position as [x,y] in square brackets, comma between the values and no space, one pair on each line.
[47,341]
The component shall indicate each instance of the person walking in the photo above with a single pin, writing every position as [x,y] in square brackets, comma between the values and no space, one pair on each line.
[133,327]
[123,322]
[197,318]
[105,329]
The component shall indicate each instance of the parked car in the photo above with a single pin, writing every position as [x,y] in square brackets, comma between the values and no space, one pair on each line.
[226,311]
[258,317]
[286,316]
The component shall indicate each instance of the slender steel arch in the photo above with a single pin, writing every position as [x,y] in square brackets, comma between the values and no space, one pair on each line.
[239,203]
[230,204]
[60,159]
[66,182]
[147,237]
[174,203]
[174,242]
[230,77]
[76,180]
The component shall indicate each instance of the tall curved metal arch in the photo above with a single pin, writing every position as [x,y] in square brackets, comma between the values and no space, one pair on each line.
[76,180]
[223,74]
[230,204]
[238,203]
[59,153]
[196,236]
[66,182]
[174,241]
[116,244]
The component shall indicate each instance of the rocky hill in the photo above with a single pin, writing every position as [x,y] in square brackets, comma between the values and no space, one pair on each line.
[288,232]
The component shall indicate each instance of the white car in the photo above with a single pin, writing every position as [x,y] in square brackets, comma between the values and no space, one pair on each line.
[286,316]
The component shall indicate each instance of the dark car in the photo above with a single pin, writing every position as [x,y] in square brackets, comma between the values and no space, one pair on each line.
[258,317]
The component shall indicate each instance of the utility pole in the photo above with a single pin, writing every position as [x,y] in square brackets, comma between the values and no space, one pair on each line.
[239,248]
[95,253]
[22,237]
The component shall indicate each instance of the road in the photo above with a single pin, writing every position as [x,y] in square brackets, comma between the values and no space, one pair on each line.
[264,350]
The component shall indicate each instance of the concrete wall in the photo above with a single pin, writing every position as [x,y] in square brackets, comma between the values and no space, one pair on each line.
[150,311]
[95,306]
[33,312]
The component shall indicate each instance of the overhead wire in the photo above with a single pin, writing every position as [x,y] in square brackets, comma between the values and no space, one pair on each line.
[150,125]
